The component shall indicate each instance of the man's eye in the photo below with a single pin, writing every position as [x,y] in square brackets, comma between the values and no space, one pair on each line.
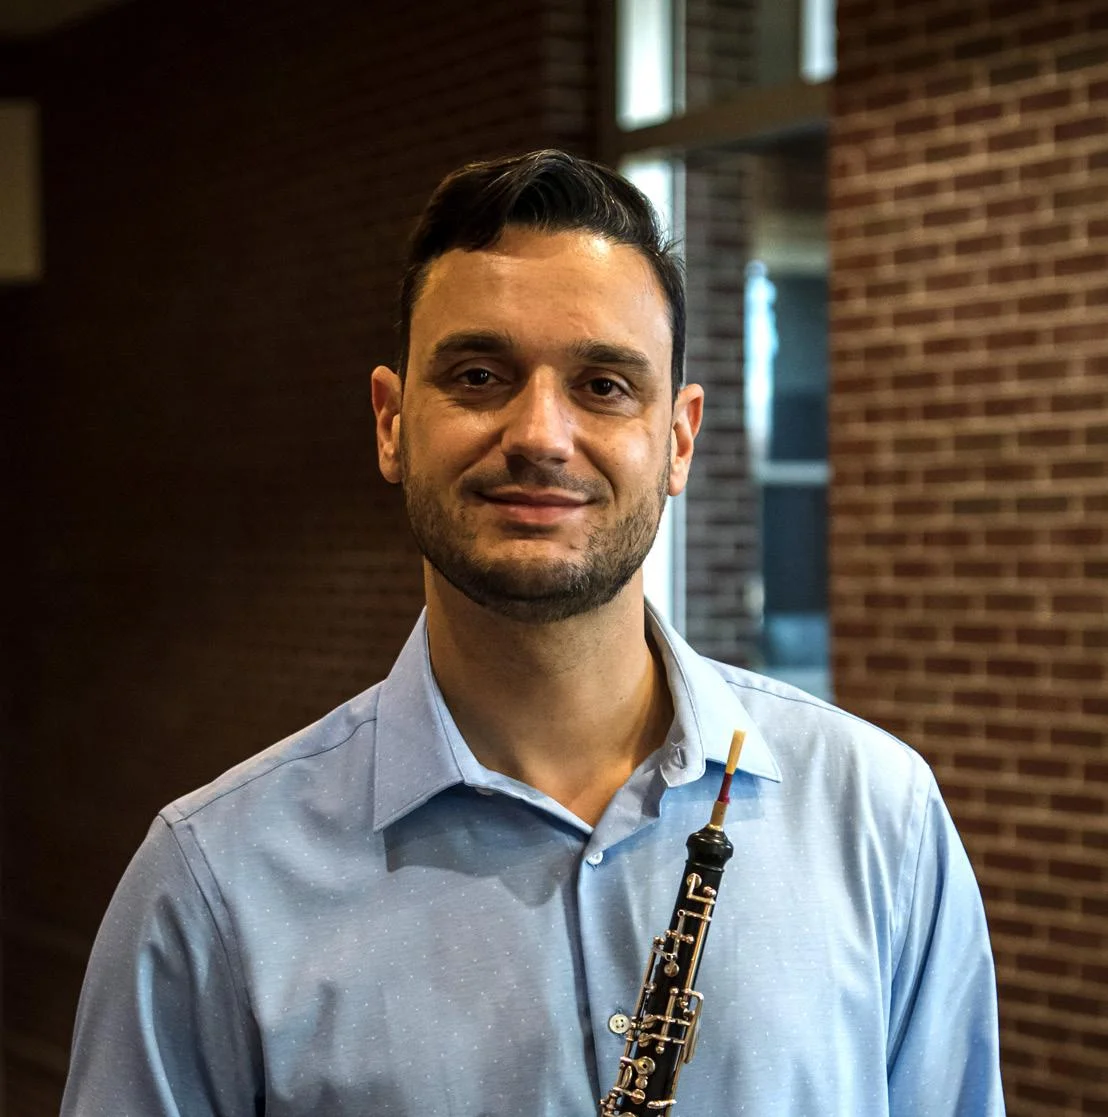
[603,386]
[476,377]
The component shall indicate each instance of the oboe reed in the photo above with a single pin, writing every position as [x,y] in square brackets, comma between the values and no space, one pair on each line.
[719,809]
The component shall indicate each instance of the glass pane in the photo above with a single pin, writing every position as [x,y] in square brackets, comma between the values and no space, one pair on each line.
[644,62]
[817,41]
[794,565]
[732,45]
[756,247]
[798,416]
[664,570]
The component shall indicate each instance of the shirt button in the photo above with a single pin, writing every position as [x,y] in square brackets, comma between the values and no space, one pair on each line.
[595,858]
[619,1022]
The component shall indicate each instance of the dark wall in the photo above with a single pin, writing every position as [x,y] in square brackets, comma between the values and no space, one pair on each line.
[205,558]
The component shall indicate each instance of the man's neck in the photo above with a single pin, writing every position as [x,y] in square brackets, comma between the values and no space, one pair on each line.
[570,708]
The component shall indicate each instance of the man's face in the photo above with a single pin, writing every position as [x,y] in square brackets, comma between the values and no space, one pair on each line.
[535,435]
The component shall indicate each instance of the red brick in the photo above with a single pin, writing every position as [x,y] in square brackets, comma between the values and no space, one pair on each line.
[944,346]
[1057,166]
[1045,101]
[978,114]
[1079,738]
[1043,504]
[985,46]
[1079,196]
[1077,672]
[1038,1095]
[1036,834]
[1088,263]
[1044,437]
[1081,59]
[1076,333]
[974,311]
[917,254]
[1079,804]
[1006,73]
[1019,206]
[914,125]
[1077,938]
[1011,339]
[1078,401]
[1073,1069]
[1046,32]
[948,152]
[1013,139]
[980,180]
[1063,471]
[1043,235]
[950,216]
[1080,129]
[1014,273]
[924,188]
[1042,637]
[1076,870]
[1052,302]
[978,441]
[947,85]
[950,281]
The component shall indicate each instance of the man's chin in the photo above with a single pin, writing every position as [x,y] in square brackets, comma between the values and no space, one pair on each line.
[532,592]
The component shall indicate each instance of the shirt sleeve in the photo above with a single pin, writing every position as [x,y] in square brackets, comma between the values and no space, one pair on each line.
[163,1028]
[943,1037]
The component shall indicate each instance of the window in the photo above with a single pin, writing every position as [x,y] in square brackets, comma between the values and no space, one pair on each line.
[719,124]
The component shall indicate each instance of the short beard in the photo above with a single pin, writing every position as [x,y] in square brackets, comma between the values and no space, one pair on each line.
[535,592]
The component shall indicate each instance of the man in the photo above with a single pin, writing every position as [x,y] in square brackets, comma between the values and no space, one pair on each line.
[439,899]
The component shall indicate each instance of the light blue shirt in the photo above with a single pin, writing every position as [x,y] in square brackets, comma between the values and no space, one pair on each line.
[363,920]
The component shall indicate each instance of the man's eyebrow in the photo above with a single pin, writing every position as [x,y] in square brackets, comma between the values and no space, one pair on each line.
[612,355]
[492,342]
[471,341]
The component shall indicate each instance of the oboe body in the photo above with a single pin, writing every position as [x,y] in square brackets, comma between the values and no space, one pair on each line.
[661,1036]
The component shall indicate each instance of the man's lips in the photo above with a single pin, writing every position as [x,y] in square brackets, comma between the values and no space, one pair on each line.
[537,498]
[534,506]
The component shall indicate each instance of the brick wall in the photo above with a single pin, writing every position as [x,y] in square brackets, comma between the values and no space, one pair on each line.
[206,557]
[969,176]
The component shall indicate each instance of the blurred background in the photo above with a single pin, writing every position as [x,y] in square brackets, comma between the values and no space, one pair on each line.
[895,224]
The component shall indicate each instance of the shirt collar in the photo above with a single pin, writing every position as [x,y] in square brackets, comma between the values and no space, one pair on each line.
[420,751]
[706,712]
[413,760]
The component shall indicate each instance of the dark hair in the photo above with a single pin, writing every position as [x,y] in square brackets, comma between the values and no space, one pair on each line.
[552,192]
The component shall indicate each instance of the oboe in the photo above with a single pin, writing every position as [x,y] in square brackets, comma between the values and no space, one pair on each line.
[661,1036]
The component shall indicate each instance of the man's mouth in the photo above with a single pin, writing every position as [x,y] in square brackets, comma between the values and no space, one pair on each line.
[536,498]
[535,507]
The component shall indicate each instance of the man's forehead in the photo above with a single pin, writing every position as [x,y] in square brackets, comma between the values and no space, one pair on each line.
[520,246]
[579,273]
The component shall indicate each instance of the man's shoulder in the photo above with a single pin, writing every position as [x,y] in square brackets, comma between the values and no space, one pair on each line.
[749,684]
[318,758]
[803,729]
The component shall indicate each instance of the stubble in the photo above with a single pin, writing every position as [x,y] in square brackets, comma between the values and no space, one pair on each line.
[539,590]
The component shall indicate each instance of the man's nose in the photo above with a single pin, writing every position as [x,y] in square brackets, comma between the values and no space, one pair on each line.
[539,424]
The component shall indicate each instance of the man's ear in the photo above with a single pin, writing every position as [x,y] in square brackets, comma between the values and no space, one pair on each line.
[688,410]
[387,390]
